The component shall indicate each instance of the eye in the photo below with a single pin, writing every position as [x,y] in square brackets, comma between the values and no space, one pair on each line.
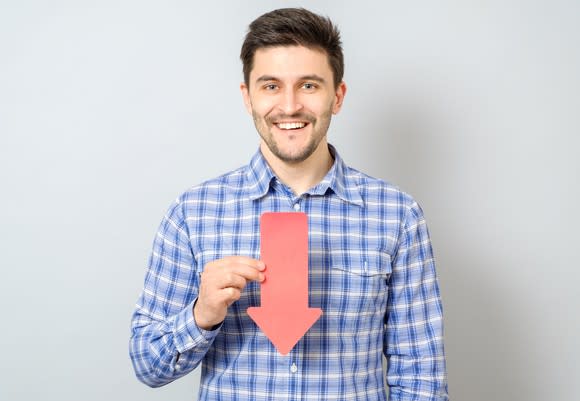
[270,87]
[309,86]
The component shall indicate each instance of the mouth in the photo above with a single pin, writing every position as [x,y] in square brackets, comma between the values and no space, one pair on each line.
[290,126]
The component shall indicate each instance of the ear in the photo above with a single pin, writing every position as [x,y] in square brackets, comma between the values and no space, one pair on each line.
[339,97]
[246,96]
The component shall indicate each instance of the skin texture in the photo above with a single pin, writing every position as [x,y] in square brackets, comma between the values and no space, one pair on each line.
[289,84]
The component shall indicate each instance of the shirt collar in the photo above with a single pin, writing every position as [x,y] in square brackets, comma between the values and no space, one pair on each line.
[260,176]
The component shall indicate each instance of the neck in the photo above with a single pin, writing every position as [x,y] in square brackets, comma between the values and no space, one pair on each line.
[302,176]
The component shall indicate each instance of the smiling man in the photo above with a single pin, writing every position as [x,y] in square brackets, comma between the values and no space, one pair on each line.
[370,261]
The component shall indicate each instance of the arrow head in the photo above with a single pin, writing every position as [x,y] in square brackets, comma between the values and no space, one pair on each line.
[285,327]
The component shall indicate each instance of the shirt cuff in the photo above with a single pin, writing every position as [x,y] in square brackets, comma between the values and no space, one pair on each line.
[188,335]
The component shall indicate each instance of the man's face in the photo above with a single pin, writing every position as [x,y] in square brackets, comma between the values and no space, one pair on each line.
[291,96]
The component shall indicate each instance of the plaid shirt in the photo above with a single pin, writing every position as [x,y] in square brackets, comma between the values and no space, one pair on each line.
[371,270]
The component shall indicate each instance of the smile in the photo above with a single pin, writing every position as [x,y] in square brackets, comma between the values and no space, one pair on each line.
[291,125]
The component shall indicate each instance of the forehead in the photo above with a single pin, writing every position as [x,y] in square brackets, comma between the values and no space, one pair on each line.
[290,62]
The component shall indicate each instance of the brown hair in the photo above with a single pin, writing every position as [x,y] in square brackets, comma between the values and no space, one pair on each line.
[293,27]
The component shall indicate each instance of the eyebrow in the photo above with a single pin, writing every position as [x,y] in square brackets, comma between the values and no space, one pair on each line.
[313,77]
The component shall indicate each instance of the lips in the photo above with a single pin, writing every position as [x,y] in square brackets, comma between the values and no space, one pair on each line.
[290,122]
[291,125]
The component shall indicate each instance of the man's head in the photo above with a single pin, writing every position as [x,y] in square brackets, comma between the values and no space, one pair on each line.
[293,27]
[292,83]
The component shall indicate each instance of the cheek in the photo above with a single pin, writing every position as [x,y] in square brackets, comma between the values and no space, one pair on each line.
[322,107]
[261,107]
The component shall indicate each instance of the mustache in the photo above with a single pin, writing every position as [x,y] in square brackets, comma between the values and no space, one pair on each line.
[296,116]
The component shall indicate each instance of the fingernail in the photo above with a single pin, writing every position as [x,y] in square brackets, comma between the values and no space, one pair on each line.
[261,265]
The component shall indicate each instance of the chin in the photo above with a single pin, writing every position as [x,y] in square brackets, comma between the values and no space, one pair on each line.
[293,157]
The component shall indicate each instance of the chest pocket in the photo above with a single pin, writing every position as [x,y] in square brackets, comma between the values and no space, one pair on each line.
[370,263]
[359,284]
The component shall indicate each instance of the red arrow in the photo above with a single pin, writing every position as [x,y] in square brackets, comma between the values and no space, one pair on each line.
[284,316]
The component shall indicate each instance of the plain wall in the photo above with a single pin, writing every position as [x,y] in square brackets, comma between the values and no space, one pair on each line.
[110,109]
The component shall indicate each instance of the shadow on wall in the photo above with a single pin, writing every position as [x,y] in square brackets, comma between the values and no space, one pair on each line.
[416,147]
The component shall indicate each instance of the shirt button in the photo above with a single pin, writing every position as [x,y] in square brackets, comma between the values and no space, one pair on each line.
[293,368]
[297,206]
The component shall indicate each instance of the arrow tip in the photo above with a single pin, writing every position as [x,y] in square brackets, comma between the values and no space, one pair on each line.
[284,329]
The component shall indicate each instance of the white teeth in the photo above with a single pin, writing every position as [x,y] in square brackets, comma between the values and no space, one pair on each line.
[291,125]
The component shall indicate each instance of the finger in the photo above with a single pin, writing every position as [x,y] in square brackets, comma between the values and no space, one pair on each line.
[230,295]
[244,260]
[232,279]
[250,269]
[247,273]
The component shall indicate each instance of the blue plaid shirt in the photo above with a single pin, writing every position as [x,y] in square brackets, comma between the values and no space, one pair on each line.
[371,271]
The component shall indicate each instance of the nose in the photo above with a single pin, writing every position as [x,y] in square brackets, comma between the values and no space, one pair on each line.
[290,102]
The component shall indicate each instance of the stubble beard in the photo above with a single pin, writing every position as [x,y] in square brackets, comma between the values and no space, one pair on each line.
[265,125]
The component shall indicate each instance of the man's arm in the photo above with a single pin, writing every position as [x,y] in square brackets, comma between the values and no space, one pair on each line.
[166,343]
[414,320]
[180,304]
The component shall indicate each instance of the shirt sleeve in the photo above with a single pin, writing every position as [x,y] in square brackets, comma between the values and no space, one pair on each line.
[165,342]
[414,323]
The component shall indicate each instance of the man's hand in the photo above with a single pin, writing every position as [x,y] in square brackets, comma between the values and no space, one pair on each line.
[222,282]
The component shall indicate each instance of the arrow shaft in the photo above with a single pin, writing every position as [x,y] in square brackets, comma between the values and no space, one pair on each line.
[284,249]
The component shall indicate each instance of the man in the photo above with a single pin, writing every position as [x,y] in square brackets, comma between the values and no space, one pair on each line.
[370,261]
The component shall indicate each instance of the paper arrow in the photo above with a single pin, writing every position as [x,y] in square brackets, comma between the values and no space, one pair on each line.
[284,316]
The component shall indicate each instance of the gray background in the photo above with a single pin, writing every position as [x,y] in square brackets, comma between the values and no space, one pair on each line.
[109,109]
